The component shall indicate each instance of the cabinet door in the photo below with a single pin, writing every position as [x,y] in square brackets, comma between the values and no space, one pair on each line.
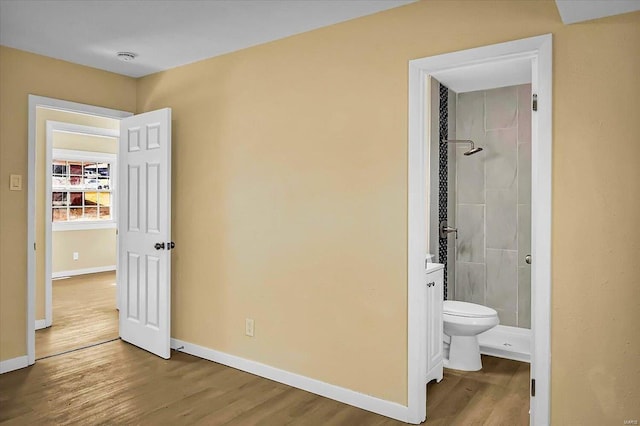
[435,296]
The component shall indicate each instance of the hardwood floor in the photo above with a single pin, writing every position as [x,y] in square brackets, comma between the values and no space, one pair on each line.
[84,312]
[116,383]
[496,395]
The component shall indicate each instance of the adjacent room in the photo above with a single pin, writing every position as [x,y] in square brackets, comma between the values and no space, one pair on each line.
[76,302]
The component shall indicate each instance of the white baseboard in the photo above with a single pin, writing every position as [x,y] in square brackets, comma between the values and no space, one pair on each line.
[13,364]
[337,393]
[83,271]
[40,324]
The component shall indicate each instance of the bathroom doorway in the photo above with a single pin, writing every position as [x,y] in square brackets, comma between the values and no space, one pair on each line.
[481,138]
[473,70]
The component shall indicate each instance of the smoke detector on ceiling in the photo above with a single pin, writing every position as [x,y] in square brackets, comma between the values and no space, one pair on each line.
[126,56]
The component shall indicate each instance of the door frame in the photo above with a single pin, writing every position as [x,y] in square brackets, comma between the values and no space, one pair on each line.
[539,50]
[58,104]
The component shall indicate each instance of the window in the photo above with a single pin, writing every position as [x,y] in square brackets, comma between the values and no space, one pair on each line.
[82,187]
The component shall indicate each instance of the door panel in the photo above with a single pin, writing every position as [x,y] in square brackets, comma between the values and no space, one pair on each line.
[434,306]
[145,231]
[153,198]
[133,279]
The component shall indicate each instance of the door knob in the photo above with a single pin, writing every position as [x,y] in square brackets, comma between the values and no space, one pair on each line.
[159,246]
[527,259]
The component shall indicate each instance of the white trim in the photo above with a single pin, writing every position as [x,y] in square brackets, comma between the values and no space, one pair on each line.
[337,393]
[72,154]
[538,49]
[40,324]
[84,271]
[35,102]
[81,129]
[417,225]
[83,225]
[13,364]
[541,203]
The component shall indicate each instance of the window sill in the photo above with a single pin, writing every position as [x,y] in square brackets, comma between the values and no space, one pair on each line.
[82,226]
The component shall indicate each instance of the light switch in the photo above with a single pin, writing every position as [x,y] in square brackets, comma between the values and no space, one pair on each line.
[15,183]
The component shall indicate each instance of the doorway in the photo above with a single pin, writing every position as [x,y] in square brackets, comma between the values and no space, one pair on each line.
[483,197]
[493,65]
[144,205]
[52,117]
[78,206]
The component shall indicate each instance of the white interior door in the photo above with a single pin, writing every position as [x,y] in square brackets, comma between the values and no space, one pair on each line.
[144,231]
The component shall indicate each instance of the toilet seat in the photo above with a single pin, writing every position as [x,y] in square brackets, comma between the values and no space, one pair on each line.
[467,310]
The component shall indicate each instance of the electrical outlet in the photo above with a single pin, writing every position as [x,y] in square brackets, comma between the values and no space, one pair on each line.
[248,327]
[76,255]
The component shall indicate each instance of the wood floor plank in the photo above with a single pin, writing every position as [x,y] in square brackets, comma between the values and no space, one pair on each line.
[439,392]
[117,383]
[479,407]
[84,312]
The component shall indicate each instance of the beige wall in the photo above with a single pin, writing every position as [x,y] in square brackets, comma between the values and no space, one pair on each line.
[596,205]
[22,74]
[290,194]
[66,141]
[96,248]
[82,142]
[300,147]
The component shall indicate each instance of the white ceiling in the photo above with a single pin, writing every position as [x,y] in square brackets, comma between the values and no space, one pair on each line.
[572,11]
[169,33]
[164,34]
[486,76]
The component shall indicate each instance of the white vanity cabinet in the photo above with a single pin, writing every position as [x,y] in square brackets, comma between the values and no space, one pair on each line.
[434,282]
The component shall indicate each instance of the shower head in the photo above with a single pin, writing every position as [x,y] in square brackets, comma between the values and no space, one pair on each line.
[471,151]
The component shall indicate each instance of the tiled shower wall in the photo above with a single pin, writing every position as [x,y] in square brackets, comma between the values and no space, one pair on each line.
[446,166]
[493,202]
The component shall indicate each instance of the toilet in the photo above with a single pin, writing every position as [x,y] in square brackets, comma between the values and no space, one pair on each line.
[463,322]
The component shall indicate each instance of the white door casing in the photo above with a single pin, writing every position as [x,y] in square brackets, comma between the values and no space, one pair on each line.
[539,51]
[144,231]
[34,103]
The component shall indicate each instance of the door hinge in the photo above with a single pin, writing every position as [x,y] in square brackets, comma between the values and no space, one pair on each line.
[533,387]
[534,104]
[34,246]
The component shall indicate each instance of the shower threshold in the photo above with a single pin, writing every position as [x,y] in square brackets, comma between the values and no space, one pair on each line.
[507,342]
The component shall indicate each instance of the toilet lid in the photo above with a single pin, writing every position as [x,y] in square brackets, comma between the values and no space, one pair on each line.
[465,309]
